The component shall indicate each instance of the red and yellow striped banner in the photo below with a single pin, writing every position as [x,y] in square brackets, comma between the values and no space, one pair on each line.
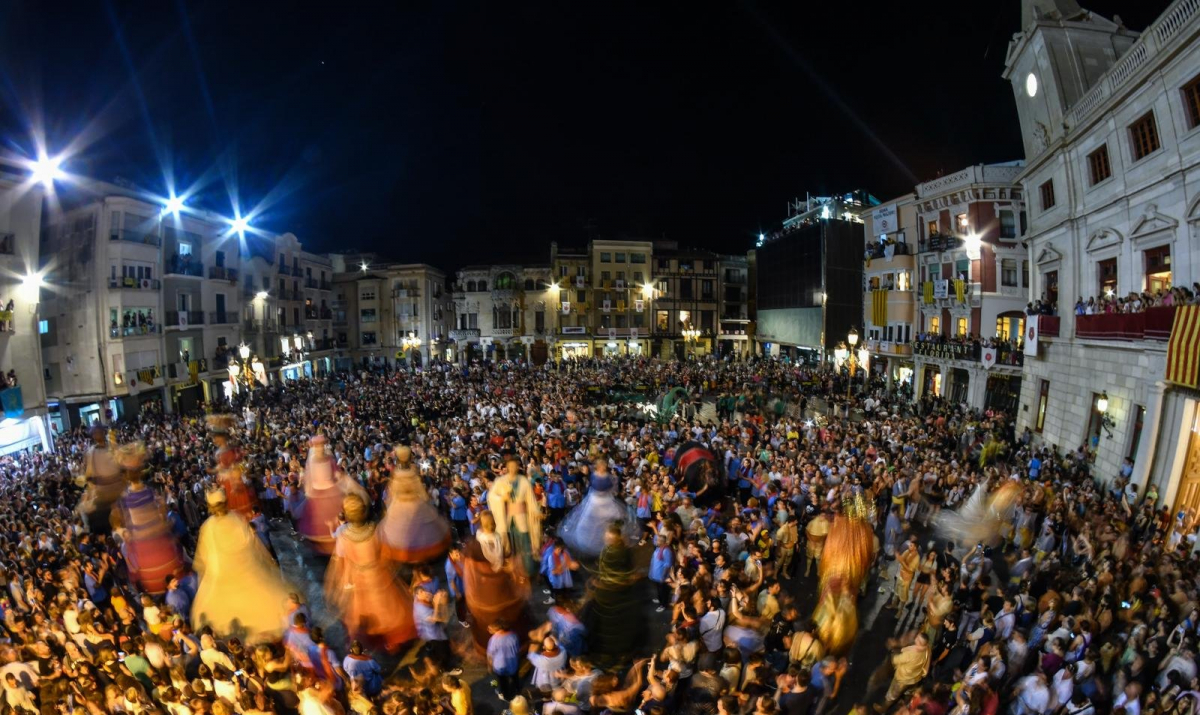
[1183,349]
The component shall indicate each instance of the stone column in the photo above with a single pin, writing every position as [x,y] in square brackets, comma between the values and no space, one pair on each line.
[1148,446]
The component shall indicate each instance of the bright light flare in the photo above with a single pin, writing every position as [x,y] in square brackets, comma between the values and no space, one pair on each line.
[364,266]
[31,285]
[46,170]
[174,205]
[261,295]
[240,225]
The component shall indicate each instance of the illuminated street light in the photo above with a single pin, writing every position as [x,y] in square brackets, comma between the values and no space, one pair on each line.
[47,170]
[174,205]
[364,266]
[261,295]
[31,284]
[240,224]
[244,351]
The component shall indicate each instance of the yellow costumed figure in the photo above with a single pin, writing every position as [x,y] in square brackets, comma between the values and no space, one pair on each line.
[816,531]
[241,591]
[849,550]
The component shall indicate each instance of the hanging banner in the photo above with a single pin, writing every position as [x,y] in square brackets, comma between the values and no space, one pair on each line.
[1031,337]
[988,358]
[566,307]
[639,305]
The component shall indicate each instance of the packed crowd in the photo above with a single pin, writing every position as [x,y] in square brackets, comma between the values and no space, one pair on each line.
[1110,303]
[1079,596]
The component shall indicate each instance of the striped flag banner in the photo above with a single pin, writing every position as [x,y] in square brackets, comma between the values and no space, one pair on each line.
[927,291]
[1183,349]
[960,290]
[879,307]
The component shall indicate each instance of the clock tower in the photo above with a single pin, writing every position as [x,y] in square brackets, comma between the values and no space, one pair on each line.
[1059,54]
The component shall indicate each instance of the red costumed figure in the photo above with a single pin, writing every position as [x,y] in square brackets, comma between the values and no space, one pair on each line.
[412,530]
[151,552]
[375,606]
[324,488]
[492,590]
[229,466]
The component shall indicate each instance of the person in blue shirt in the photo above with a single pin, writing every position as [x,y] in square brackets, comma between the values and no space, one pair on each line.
[1035,467]
[556,498]
[454,582]
[660,571]
[360,666]
[504,659]
[566,627]
[458,514]
[177,598]
[557,566]
[430,630]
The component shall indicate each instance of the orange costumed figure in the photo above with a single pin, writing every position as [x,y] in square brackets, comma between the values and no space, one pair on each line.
[151,553]
[412,531]
[849,550]
[229,465]
[375,606]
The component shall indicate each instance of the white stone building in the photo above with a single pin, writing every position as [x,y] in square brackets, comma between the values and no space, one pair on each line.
[890,276]
[504,312]
[1111,126]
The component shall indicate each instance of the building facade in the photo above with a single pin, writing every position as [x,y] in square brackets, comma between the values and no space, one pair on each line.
[970,259]
[503,312]
[1111,125]
[735,337]
[685,301]
[149,310]
[889,298]
[22,380]
[809,285]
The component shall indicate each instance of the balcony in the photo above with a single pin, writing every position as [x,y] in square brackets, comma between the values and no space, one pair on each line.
[890,348]
[251,326]
[940,242]
[184,318]
[464,334]
[880,250]
[941,294]
[132,236]
[222,273]
[285,294]
[284,270]
[226,318]
[184,266]
[505,332]
[320,344]
[1048,325]
[117,332]
[1153,324]
[131,283]
[325,285]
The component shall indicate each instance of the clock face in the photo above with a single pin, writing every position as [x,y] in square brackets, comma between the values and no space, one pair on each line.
[1031,84]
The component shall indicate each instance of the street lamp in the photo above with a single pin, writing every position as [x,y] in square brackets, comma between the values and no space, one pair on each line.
[691,335]
[1106,422]
[410,342]
[243,371]
[852,340]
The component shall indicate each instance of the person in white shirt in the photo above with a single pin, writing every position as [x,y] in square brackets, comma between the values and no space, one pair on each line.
[1032,695]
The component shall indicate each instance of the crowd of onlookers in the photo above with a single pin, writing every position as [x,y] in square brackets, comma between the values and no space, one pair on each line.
[1136,302]
[1085,601]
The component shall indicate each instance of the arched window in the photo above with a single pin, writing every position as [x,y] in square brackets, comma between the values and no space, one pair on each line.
[528,284]
[482,285]
[471,286]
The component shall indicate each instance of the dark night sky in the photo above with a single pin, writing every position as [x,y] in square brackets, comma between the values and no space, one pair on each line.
[451,133]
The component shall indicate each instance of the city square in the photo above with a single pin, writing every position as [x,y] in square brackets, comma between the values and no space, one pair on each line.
[455,360]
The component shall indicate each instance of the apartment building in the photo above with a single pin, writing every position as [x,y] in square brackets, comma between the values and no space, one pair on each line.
[504,312]
[889,296]
[22,382]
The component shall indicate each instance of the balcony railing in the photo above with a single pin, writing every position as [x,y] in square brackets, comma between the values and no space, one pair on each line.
[1153,324]
[184,318]
[940,242]
[118,332]
[251,326]
[324,344]
[284,270]
[133,236]
[325,285]
[131,283]
[889,347]
[879,250]
[285,294]
[184,266]
[222,273]
[1048,325]
[226,318]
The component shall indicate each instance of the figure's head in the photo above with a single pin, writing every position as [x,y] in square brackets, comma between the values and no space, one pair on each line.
[217,504]
[355,509]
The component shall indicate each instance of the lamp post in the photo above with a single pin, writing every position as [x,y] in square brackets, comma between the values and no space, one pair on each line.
[852,340]
[410,342]
[245,370]
[691,335]
[1106,422]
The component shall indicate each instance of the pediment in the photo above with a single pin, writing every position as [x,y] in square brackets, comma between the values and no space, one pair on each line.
[1104,238]
[1152,222]
[1194,210]
[1048,255]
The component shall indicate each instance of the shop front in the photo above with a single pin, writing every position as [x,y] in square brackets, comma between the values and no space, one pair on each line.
[574,349]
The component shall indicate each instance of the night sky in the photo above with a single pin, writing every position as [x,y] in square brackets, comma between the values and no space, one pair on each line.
[456,133]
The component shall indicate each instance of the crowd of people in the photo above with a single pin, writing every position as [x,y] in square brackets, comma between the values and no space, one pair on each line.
[513,518]
[1110,303]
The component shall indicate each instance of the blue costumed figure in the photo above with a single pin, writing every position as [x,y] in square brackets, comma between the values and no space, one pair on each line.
[583,529]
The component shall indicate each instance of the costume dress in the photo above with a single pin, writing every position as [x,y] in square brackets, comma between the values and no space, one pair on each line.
[583,529]
[229,472]
[374,605]
[490,587]
[412,531]
[613,618]
[518,518]
[241,590]
[324,489]
[151,552]
[105,486]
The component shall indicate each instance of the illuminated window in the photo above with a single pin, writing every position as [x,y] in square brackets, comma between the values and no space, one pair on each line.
[1043,400]
[1108,275]
[962,327]
[1158,268]
[935,326]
